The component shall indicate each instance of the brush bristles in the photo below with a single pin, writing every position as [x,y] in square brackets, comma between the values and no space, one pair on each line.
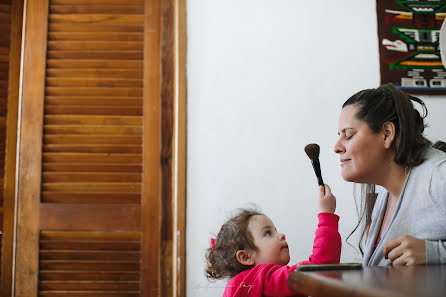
[312,151]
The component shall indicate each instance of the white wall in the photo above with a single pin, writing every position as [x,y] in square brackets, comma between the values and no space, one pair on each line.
[265,78]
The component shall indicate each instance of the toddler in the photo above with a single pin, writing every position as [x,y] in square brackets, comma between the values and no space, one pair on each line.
[249,250]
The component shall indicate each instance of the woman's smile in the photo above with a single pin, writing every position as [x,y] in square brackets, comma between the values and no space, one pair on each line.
[343,161]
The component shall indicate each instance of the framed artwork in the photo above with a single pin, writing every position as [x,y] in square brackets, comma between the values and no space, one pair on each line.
[409,45]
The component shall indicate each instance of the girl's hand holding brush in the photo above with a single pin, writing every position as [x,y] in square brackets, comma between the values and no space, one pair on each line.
[326,201]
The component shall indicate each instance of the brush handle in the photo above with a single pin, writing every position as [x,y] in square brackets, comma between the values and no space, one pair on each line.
[317,170]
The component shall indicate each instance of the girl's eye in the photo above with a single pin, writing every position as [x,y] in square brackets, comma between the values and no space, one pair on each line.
[348,137]
[268,233]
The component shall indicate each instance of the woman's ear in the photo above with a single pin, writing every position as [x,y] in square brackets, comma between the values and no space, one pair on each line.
[244,257]
[389,134]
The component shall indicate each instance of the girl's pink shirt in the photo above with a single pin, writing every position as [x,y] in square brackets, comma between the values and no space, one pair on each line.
[271,279]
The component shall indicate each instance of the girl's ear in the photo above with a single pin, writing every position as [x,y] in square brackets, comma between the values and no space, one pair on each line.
[244,257]
[389,134]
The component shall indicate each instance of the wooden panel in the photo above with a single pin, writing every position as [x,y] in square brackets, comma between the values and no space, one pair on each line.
[83,129]
[92,187]
[150,203]
[93,129]
[74,276]
[179,150]
[91,158]
[173,154]
[108,64]
[167,95]
[82,263]
[96,167]
[55,216]
[115,55]
[90,197]
[30,151]
[101,150]
[5,32]
[94,36]
[82,148]
[96,72]
[98,82]
[98,8]
[94,28]
[92,145]
[89,245]
[93,120]
[94,110]
[103,139]
[105,19]
[53,177]
[89,255]
[97,2]
[6,267]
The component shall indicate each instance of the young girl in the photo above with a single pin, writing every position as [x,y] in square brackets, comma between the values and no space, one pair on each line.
[249,250]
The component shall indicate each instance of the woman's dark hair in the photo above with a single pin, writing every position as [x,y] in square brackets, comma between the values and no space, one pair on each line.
[389,104]
[232,237]
[440,145]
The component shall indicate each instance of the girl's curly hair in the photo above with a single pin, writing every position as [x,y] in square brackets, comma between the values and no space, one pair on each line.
[232,237]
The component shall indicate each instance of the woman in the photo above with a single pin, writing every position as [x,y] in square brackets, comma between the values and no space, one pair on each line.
[381,143]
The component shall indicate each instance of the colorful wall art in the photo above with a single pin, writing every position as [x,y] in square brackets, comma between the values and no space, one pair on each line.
[408,34]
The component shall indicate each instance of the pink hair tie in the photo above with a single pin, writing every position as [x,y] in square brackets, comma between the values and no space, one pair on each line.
[213,241]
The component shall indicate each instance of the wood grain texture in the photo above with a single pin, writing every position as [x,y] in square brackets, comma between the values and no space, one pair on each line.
[96,2]
[371,281]
[56,216]
[73,27]
[113,146]
[89,263]
[95,72]
[12,56]
[125,148]
[95,167]
[78,197]
[5,45]
[135,8]
[180,149]
[150,203]
[93,146]
[54,177]
[28,198]
[93,102]
[167,138]
[92,158]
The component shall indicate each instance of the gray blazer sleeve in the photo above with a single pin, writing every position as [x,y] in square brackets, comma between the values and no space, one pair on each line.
[436,249]
[435,252]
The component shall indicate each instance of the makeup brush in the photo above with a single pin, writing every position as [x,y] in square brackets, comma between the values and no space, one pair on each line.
[312,151]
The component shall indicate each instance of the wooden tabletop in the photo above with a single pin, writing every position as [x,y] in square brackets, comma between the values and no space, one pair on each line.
[419,281]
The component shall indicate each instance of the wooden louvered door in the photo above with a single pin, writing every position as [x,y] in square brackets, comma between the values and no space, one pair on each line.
[91,166]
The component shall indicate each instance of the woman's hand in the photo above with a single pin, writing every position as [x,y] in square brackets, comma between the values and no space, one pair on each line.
[326,200]
[405,250]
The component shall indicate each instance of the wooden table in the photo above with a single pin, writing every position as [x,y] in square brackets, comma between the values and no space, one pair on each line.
[419,281]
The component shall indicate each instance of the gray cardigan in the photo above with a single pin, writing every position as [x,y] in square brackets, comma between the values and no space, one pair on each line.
[420,212]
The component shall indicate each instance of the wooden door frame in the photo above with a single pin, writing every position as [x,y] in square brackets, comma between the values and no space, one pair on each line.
[11,148]
[168,202]
[173,153]
[25,270]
